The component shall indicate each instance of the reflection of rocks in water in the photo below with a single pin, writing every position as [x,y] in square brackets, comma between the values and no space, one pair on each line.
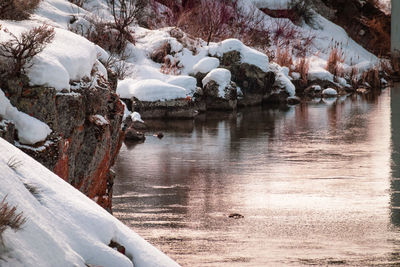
[185,126]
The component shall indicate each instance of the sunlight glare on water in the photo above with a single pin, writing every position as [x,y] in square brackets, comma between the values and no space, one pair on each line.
[313,182]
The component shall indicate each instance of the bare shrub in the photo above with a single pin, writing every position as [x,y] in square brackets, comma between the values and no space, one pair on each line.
[284,57]
[354,77]
[170,66]
[9,217]
[17,9]
[209,19]
[125,12]
[302,66]
[18,52]
[372,78]
[117,64]
[336,58]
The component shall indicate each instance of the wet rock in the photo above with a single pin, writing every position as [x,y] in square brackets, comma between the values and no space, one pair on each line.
[177,109]
[293,100]
[159,135]
[132,134]
[236,216]
[213,99]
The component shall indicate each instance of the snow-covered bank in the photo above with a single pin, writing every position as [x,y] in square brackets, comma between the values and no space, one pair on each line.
[63,227]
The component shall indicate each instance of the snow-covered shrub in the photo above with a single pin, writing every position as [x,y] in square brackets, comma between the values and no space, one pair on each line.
[9,217]
[17,9]
[17,53]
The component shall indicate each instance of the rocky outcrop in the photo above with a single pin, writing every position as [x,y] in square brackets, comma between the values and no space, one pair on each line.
[255,84]
[177,108]
[86,137]
[214,101]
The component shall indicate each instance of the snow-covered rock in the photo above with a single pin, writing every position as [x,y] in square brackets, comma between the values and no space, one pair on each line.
[248,55]
[221,76]
[30,129]
[206,64]
[150,90]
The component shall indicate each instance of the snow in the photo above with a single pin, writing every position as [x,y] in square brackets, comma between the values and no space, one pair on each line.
[63,227]
[30,129]
[248,55]
[329,92]
[205,65]
[150,90]
[282,79]
[189,83]
[221,76]
[136,117]
[100,120]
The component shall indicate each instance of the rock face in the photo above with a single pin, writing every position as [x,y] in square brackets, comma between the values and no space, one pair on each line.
[215,102]
[176,108]
[255,84]
[86,137]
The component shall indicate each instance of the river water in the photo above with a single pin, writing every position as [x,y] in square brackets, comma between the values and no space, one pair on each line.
[316,184]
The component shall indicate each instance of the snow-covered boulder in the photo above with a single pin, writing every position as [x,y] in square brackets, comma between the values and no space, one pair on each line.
[150,90]
[246,54]
[206,65]
[219,91]
[30,129]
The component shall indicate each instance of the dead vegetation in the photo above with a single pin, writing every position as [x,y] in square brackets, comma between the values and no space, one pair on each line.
[17,9]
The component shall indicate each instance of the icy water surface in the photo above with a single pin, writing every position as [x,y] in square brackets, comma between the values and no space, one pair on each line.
[317,184]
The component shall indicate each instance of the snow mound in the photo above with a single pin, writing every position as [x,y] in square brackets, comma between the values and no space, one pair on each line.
[221,76]
[189,83]
[248,55]
[136,117]
[206,64]
[150,90]
[30,129]
[63,228]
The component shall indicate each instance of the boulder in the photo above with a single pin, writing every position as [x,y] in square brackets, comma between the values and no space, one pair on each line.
[182,108]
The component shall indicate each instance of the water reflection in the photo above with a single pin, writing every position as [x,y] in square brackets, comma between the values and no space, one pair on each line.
[312,181]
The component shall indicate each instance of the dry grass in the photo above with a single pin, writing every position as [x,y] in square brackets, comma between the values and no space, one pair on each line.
[17,9]
[302,66]
[283,57]
[9,217]
[372,78]
[336,58]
